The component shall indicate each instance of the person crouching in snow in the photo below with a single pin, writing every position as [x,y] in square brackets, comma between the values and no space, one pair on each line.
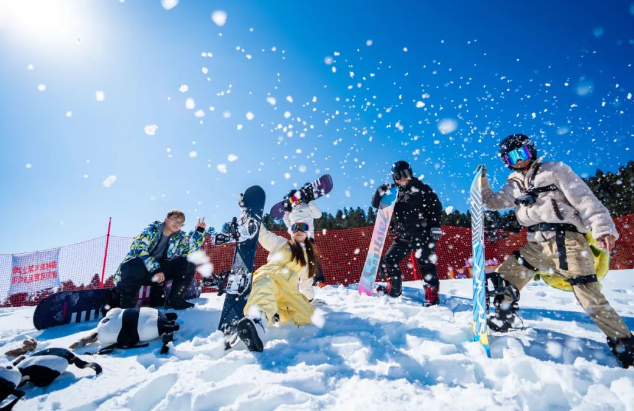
[157,255]
[291,266]
[298,209]
[559,209]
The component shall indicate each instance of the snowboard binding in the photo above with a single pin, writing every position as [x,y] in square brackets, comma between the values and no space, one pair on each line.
[218,281]
[238,282]
[220,239]
[243,229]
[505,297]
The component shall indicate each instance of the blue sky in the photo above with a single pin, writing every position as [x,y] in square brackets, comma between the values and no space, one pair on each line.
[289,91]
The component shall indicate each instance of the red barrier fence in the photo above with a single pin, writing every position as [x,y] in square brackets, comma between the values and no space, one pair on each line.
[23,277]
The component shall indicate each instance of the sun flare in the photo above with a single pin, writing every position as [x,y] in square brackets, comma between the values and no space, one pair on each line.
[42,20]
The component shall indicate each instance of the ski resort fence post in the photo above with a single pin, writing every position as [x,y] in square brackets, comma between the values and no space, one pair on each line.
[414,266]
[105,255]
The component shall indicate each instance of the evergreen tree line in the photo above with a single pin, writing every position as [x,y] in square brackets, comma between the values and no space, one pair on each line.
[614,190]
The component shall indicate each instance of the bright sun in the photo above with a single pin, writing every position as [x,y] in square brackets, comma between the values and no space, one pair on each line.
[40,20]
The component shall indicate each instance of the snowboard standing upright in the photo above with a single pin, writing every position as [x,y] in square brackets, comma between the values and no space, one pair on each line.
[379,234]
[480,328]
[245,232]
[320,187]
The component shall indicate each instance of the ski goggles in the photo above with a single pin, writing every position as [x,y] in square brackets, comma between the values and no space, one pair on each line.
[401,174]
[519,154]
[303,227]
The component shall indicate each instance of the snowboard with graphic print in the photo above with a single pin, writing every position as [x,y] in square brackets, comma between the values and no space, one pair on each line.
[70,307]
[310,191]
[244,232]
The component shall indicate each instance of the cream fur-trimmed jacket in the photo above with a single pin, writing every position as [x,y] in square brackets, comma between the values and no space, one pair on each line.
[572,203]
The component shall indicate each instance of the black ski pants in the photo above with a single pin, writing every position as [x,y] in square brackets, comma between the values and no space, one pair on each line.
[134,275]
[400,248]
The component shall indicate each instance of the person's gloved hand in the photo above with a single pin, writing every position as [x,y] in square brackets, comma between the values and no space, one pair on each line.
[484,170]
[384,188]
[436,233]
[309,194]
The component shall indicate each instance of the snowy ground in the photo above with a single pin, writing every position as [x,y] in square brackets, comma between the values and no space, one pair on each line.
[373,353]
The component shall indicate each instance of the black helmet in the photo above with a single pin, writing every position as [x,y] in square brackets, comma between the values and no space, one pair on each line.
[401,169]
[515,141]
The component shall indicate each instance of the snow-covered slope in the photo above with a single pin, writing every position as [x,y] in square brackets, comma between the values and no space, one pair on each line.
[372,353]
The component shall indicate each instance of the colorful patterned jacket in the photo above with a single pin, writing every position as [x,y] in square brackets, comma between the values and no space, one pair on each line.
[180,245]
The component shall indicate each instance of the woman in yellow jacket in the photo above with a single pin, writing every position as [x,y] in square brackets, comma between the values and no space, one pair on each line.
[283,287]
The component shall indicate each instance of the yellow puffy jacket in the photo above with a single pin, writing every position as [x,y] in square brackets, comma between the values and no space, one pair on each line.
[277,284]
[601,266]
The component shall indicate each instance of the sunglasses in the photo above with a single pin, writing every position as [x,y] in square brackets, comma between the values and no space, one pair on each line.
[519,154]
[303,227]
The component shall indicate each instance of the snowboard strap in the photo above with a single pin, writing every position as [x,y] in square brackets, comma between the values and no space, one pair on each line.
[167,338]
[582,279]
[523,261]
[18,394]
[560,238]
[112,347]
[79,363]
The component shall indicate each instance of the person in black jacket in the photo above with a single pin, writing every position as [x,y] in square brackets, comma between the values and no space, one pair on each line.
[416,222]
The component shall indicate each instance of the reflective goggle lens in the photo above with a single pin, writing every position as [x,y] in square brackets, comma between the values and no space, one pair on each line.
[293,200]
[519,154]
[303,227]
[401,174]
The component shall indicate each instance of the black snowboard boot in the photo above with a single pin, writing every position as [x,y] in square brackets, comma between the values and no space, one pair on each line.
[393,289]
[623,350]
[157,296]
[505,301]
[176,300]
[127,296]
[249,335]
[503,319]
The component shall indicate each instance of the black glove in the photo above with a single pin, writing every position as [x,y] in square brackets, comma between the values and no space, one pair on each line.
[308,193]
[384,188]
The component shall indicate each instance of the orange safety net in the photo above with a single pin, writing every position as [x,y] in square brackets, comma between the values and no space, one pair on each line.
[342,254]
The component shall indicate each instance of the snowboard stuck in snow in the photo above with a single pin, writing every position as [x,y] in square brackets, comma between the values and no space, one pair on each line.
[309,192]
[480,314]
[379,234]
[238,283]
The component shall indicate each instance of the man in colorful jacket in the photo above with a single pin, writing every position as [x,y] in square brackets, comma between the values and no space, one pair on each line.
[159,254]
